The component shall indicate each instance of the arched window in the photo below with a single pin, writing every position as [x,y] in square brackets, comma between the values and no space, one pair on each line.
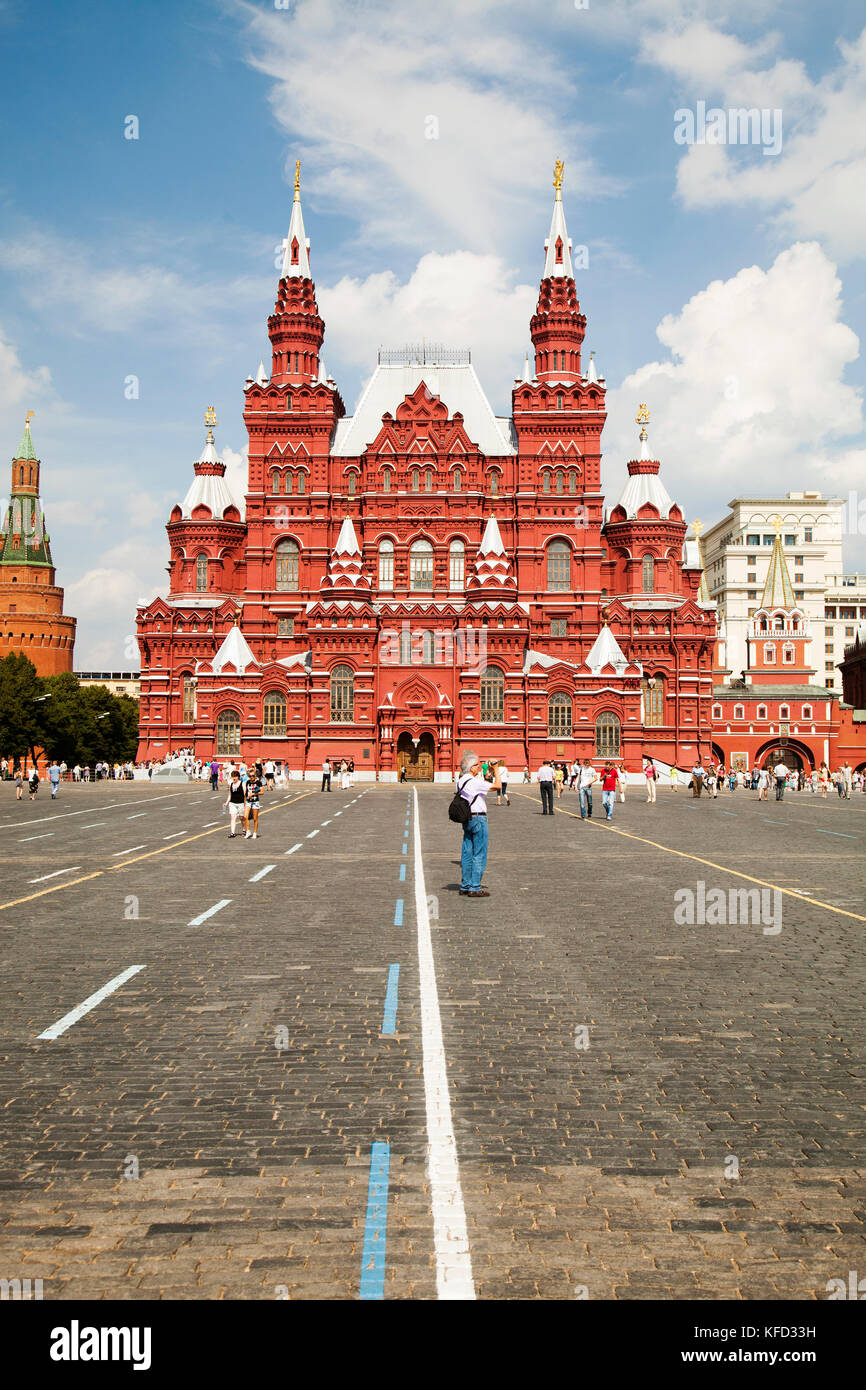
[807,711]
[769,653]
[494,483]
[428,649]
[428,479]
[405,646]
[559,399]
[653,700]
[287,482]
[545,480]
[414,483]
[275,481]
[717,711]
[189,699]
[559,480]
[386,565]
[572,481]
[784,712]
[456,565]
[492,695]
[274,715]
[649,574]
[386,480]
[458,479]
[739,712]
[559,566]
[353,483]
[421,565]
[762,712]
[559,715]
[788,654]
[764,627]
[229,732]
[342,695]
[288,565]
[201,574]
[780,623]
[607,736]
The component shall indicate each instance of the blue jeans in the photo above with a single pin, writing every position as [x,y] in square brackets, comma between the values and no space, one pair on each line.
[474,855]
[585,798]
[607,800]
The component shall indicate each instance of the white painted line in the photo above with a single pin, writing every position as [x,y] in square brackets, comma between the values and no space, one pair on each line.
[450,1238]
[68,1019]
[203,916]
[94,825]
[324,823]
[294,848]
[138,815]
[47,836]
[312,833]
[261,873]
[338,813]
[175,835]
[56,874]
[64,815]
[131,850]
[212,823]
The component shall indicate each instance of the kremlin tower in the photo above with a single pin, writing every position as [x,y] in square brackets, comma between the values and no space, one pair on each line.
[31,604]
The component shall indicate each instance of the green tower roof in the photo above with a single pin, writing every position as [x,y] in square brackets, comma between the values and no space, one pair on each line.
[25,448]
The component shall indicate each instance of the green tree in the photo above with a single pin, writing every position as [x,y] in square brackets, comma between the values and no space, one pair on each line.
[21,708]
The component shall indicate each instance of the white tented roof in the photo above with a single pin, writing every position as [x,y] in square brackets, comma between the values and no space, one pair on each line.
[234,649]
[642,488]
[209,489]
[457,386]
[606,651]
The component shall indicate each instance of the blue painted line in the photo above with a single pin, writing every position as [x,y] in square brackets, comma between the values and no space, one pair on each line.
[398,913]
[402,873]
[840,833]
[389,1018]
[376,1226]
[729,813]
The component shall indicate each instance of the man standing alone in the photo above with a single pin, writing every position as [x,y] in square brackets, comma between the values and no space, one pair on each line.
[473,860]
[545,782]
[326,775]
[586,782]
[54,779]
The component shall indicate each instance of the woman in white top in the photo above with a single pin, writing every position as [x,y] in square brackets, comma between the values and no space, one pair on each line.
[502,781]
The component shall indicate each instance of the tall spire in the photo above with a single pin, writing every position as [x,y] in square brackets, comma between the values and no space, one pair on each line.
[23,538]
[296,261]
[558,245]
[25,448]
[778,590]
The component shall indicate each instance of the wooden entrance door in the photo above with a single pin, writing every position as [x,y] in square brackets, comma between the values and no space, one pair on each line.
[418,761]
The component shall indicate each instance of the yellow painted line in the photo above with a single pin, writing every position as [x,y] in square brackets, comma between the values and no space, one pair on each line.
[115,868]
[723,868]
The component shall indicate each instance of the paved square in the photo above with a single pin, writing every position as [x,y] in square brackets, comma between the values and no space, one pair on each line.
[609,1099]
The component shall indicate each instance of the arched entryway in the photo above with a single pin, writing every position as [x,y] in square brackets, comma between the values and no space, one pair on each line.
[796,759]
[417,756]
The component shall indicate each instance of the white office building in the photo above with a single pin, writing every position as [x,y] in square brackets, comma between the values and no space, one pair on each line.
[736,553]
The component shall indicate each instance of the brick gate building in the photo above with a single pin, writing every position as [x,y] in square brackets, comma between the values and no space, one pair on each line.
[424,575]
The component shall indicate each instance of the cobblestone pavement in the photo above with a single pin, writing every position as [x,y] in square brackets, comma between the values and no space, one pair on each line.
[643,1108]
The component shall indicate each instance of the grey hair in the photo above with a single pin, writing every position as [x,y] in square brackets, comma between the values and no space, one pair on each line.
[468,760]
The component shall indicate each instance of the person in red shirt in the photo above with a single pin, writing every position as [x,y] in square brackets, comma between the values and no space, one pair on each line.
[609,778]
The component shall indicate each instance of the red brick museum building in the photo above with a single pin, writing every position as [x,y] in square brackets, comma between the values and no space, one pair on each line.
[425,575]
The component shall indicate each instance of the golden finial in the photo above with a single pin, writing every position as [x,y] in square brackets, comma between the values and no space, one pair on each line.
[697,527]
[28,417]
[210,420]
[558,170]
[643,415]
[776,523]
[297,180]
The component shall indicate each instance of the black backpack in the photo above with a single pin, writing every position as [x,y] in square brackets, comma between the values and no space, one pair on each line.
[458,811]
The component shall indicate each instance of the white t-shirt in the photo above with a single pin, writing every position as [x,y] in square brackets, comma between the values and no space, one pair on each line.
[588,776]
[545,773]
[269,767]
[475,790]
[326,767]
[503,773]
[780,770]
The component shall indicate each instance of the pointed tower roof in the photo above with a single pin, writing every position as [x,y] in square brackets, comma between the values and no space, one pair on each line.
[491,573]
[606,651]
[25,448]
[778,589]
[345,575]
[644,485]
[591,373]
[261,375]
[235,650]
[209,487]
[527,373]
[557,263]
[296,261]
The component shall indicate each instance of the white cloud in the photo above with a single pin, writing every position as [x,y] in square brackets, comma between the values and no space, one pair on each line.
[816,186]
[752,399]
[104,601]
[237,473]
[482,76]
[462,299]
[20,389]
